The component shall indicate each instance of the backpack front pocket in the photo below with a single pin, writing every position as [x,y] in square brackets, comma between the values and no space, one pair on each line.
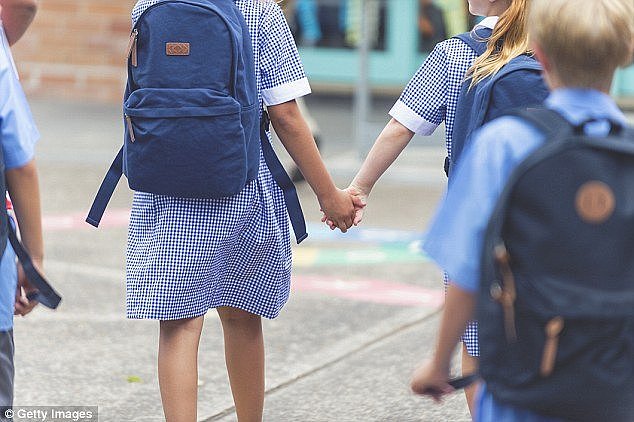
[185,143]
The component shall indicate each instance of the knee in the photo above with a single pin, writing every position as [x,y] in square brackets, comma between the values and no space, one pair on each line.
[170,327]
[238,317]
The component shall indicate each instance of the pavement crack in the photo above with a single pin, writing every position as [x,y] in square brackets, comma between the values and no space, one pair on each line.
[350,353]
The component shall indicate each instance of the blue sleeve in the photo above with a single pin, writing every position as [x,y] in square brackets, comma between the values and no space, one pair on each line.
[520,89]
[456,235]
[18,132]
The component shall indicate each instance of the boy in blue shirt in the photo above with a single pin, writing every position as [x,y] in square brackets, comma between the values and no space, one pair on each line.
[18,136]
[580,45]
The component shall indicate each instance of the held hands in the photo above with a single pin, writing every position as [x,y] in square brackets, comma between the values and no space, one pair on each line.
[431,380]
[340,210]
[359,200]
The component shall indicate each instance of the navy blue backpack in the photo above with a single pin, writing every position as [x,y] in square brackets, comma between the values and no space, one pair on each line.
[191,109]
[556,300]
[518,84]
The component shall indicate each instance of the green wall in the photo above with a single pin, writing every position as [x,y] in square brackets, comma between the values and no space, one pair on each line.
[393,67]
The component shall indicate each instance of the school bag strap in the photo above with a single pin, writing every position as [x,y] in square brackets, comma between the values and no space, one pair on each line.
[106,190]
[548,121]
[45,294]
[282,179]
[276,168]
[476,39]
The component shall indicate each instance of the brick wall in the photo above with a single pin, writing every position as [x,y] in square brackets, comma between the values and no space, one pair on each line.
[75,50]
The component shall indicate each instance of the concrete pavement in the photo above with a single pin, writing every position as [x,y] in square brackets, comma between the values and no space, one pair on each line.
[342,349]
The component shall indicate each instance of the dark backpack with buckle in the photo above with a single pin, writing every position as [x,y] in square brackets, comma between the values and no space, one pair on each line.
[191,109]
[556,303]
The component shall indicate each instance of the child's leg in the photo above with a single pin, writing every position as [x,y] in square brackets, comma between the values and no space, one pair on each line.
[178,368]
[470,366]
[244,353]
[6,369]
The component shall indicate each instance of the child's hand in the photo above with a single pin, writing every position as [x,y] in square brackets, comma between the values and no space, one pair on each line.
[23,305]
[358,201]
[429,380]
[339,210]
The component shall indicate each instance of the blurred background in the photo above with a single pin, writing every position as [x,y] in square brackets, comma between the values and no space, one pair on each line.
[75,49]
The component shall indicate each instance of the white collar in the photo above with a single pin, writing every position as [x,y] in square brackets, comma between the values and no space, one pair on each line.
[488,22]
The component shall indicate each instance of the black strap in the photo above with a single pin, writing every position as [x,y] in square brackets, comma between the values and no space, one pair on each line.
[282,179]
[106,190]
[548,121]
[45,294]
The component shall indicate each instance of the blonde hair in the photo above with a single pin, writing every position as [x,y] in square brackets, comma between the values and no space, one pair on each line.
[585,40]
[508,40]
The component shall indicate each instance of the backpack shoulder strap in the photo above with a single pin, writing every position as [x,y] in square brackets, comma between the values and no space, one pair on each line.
[476,39]
[550,122]
[46,295]
[106,190]
[282,179]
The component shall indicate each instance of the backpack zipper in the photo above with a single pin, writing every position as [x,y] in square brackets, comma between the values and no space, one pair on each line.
[506,293]
[128,120]
[553,329]
[132,48]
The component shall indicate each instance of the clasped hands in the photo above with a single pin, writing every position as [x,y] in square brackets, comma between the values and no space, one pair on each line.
[344,208]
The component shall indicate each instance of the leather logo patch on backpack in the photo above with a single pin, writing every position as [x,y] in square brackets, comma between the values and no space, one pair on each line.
[595,202]
[177,48]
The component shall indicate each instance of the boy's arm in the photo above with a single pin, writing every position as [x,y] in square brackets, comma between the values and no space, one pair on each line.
[432,379]
[296,137]
[16,16]
[23,187]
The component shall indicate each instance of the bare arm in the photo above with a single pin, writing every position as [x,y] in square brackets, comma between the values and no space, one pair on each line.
[386,149]
[432,378]
[24,189]
[298,141]
[16,17]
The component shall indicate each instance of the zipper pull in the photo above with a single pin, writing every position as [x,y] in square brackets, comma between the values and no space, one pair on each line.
[132,48]
[553,329]
[506,294]
[128,120]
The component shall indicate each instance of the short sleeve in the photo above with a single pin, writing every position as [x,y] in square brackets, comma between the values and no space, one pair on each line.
[456,234]
[18,132]
[423,104]
[282,74]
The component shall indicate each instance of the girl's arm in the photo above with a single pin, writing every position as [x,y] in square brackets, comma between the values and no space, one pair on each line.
[296,137]
[16,17]
[388,146]
[432,378]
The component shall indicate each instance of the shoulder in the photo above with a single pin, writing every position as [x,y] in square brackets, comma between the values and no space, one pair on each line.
[506,136]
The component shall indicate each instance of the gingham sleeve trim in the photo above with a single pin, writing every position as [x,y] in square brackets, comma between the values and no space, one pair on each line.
[286,92]
[411,120]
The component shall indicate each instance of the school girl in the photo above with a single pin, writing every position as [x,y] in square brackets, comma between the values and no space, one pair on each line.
[581,85]
[185,256]
[429,99]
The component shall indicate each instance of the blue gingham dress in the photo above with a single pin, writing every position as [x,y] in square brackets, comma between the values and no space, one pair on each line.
[431,98]
[185,256]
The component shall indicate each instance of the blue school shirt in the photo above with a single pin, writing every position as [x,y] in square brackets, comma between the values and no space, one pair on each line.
[456,234]
[18,135]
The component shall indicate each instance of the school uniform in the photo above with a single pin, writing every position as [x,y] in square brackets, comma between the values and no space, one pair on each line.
[456,235]
[431,98]
[18,135]
[185,256]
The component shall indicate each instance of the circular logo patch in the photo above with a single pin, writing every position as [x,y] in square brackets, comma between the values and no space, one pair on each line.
[595,202]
